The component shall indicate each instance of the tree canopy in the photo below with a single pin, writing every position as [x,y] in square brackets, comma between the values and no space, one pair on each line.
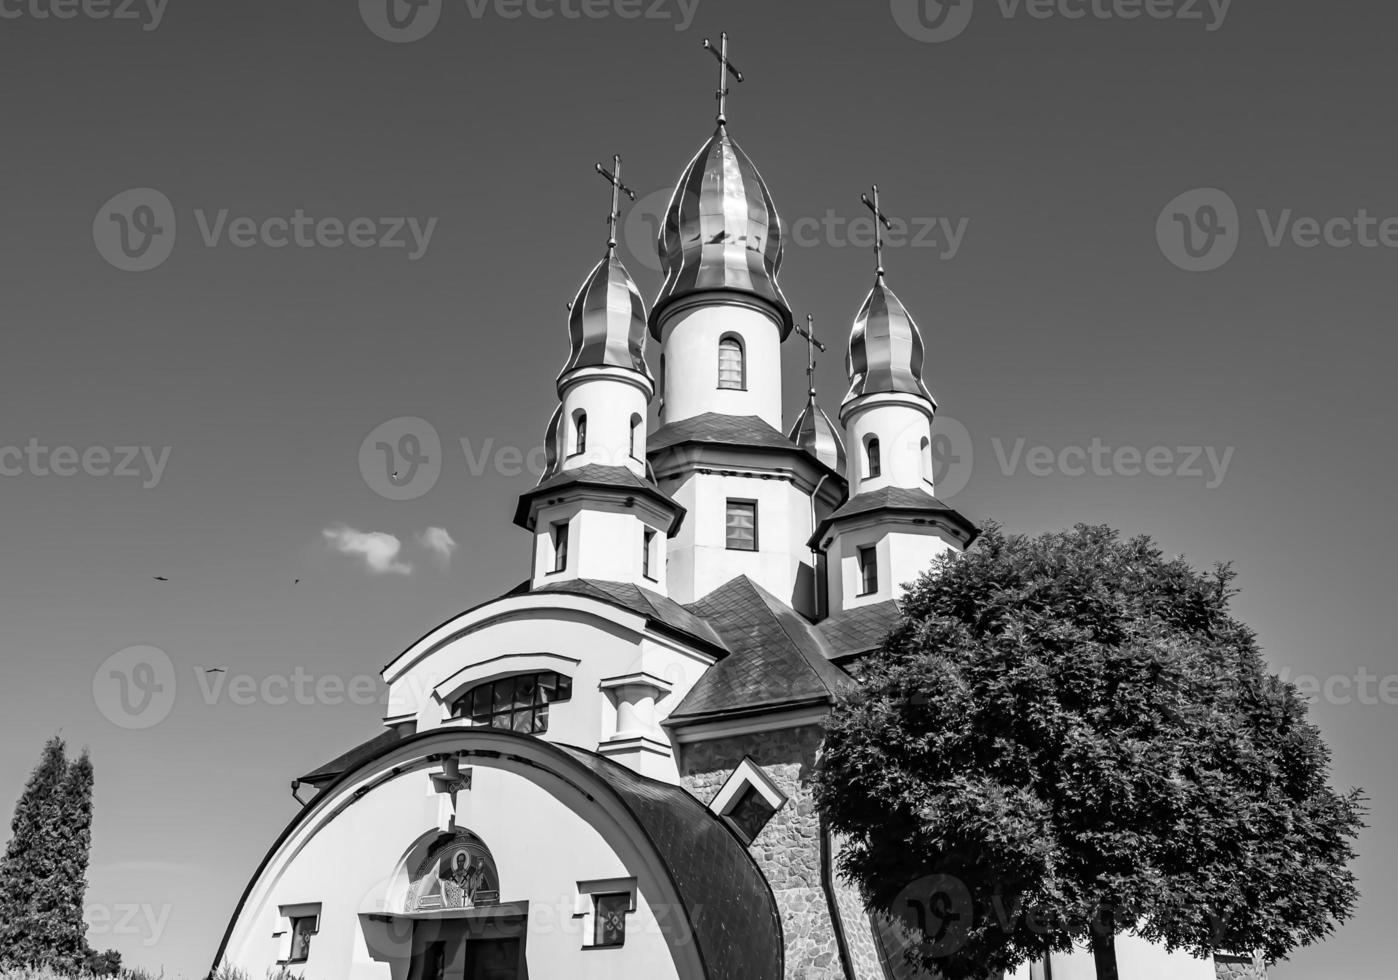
[1069,736]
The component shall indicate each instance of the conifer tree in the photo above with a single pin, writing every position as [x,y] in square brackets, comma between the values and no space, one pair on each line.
[66,928]
[27,872]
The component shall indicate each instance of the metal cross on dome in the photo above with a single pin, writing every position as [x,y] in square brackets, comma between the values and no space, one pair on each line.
[613,177]
[725,68]
[812,345]
[880,223]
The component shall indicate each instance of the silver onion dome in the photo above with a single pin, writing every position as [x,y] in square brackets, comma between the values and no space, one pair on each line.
[607,321]
[721,232]
[885,348]
[817,435]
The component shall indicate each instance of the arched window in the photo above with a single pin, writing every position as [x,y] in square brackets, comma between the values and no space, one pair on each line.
[732,366]
[636,423]
[875,463]
[519,703]
[579,433]
[927,459]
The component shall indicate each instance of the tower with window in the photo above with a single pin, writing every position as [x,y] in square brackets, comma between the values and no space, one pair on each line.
[596,513]
[892,525]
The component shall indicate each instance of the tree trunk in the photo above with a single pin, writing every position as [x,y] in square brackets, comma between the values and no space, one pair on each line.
[1104,956]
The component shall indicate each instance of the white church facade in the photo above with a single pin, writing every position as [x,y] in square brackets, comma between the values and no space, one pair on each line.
[603,774]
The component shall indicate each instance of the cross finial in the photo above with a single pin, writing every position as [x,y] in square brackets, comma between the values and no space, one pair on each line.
[880,223]
[812,345]
[613,177]
[725,68]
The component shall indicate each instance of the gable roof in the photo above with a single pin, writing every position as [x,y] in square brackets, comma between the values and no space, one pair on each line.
[776,658]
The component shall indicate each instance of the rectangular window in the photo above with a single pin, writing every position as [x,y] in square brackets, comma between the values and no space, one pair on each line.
[647,549]
[742,525]
[868,571]
[560,546]
[609,919]
[303,927]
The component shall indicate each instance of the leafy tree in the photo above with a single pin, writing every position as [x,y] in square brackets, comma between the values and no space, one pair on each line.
[31,862]
[68,948]
[1068,737]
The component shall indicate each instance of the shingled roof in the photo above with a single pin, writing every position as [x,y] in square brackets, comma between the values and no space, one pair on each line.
[776,658]
[352,759]
[903,500]
[860,630]
[658,609]
[614,478]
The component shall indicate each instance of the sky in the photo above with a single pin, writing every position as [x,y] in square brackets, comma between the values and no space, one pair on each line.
[245,243]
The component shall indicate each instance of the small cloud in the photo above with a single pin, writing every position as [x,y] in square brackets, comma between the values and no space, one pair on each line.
[379,551]
[439,542]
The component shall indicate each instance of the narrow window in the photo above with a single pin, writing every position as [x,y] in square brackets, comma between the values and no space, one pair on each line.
[869,570]
[609,919]
[732,371]
[647,549]
[580,434]
[926,449]
[742,525]
[636,422]
[560,546]
[303,927]
[875,467]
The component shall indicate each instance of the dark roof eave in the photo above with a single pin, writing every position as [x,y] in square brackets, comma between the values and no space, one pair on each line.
[748,711]
[949,516]
[655,495]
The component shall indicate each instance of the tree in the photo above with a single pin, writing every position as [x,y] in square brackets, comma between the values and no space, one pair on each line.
[1068,737]
[31,861]
[67,929]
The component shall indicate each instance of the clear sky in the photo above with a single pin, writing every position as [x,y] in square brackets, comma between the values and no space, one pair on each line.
[1056,323]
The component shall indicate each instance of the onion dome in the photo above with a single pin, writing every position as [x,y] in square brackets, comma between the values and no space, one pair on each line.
[607,321]
[885,349]
[721,231]
[817,435]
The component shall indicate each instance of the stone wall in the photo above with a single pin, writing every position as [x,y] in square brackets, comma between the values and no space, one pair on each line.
[788,850]
[1239,968]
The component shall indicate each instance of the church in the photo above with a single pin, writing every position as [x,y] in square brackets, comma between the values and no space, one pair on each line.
[604,772]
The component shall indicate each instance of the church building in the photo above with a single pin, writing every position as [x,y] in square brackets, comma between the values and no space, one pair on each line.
[604,773]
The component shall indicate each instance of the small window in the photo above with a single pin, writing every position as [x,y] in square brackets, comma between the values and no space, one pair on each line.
[926,450]
[875,467]
[580,433]
[748,800]
[636,423]
[732,369]
[609,919]
[742,525]
[647,553]
[303,927]
[559,534]
[869,570]
[519,703]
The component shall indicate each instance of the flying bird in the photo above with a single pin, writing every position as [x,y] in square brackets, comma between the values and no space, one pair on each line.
[160,578]
[215,670]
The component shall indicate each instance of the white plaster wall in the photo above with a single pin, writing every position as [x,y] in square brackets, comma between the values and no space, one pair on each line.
[610,404]
[603,649]
[1136,960]
[904,553]
[699,557]
[604,543]
[690,342]
[542,849]
[900,429]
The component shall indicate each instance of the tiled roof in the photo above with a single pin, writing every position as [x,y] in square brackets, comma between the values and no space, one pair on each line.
[719,430]
[614,477]
[351,759]
[732,910]
[900,499]
[654,606]
[859,630]
[776,658]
